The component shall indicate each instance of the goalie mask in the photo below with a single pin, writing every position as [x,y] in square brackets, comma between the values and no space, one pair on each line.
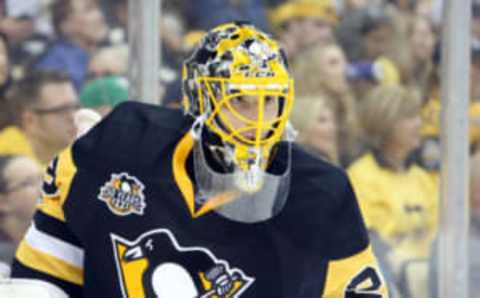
[237,86]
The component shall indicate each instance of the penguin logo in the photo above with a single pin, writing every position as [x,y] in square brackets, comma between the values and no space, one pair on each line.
[123,195]
[156,266]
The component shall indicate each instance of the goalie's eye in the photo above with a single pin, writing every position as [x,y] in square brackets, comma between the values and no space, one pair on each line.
[239,101]
[269,99]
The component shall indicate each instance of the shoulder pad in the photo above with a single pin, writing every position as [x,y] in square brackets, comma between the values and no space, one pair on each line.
[325,204]
[134,134]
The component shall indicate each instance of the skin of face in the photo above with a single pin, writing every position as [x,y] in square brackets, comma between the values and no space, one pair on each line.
[305,32]
[24,178]
[476,27]
[377,42]
[316,32]
[422,40]
[406,133]
[248,106]
[474,78]
[424,8]
[333,69]
[356,4]
[475,185]
[4,63]
[88,21]
[323,132]
[56,129]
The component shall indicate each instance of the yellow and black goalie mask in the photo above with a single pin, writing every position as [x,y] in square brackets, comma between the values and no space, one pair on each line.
[237,86]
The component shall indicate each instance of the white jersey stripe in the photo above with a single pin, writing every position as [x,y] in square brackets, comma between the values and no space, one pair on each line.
[55,247]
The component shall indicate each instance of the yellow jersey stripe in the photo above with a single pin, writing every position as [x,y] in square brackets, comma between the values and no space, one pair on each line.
[341,272]
[47,264]
[52,204]
[180,174]
[53,246]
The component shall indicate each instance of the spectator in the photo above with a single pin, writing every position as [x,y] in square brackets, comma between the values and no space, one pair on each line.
[398,199]
[108,61]
[431,117]
[321,70]
[303,23]
[5,80]
[475,74]
[43,105]
[316,120]
[367,37]
[422,40]
[28,26]
[376,33]
[17,19]
[172,32]
[426,8]
[20,185]
[80,28]
[104,93]
[205,14]
[116,14]
[476,24]
[429,156]
[348,31]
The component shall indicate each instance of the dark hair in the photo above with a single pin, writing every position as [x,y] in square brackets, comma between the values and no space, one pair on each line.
[4,38]
[61,10]
[475,9]
[26,92]
[373,18]
[5,117]
[4,162]
[116,3]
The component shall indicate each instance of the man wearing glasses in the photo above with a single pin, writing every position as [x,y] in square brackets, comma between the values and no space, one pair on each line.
[43,106]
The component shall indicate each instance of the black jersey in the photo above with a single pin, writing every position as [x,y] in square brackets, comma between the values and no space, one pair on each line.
[116,220]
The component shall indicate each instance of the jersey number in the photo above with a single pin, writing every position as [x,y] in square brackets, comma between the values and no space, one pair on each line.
[49,187]
[358,289]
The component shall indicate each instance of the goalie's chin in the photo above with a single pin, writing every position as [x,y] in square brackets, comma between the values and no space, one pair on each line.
[251,181]
[254,193]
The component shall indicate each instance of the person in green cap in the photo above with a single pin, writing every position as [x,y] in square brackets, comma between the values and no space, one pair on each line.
[104,93]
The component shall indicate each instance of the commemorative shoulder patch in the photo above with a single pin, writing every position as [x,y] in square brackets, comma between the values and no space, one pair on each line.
[123,195]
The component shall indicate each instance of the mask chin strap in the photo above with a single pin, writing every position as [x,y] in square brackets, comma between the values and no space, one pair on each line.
[251,181]
[219,152]
[197,126]
[290,133]
[248,181]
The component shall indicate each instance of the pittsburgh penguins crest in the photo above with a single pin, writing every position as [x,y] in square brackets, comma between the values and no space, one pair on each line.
[155,265]
[123,195]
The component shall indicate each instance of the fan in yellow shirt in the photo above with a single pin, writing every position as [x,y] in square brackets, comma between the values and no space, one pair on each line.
[399,206]
[398,199]
[43,106]
[14,141]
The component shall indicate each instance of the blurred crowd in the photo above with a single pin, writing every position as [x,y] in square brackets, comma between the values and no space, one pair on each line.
[367,89]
